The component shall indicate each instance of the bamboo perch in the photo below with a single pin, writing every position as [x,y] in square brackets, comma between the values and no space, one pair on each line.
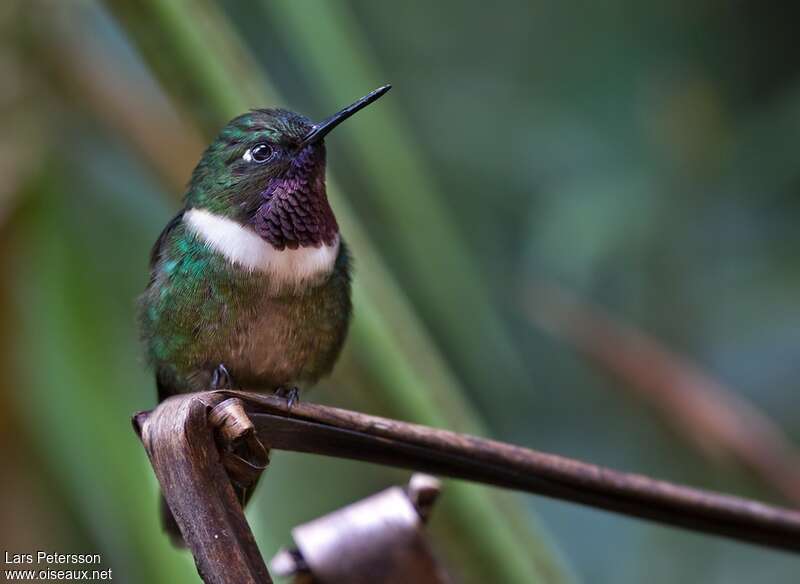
[330,431]
[318,429]
[198,447]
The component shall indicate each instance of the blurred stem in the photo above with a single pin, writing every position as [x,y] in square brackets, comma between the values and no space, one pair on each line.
[80,434]
[199,60]
[755,163]
[717,421]
[435,259]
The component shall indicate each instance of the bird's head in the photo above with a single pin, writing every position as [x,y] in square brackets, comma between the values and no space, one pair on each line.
[266,171]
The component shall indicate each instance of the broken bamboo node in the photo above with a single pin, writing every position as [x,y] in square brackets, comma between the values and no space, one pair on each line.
[243,455]
[422,491]
[230,420]
[378,539]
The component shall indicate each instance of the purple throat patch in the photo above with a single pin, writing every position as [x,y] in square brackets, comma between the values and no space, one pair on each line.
[295,211]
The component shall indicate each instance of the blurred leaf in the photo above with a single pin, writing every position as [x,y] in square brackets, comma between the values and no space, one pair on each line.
[79,394]
[411,216]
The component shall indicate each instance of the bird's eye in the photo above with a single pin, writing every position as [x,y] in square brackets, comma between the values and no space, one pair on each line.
[259,153]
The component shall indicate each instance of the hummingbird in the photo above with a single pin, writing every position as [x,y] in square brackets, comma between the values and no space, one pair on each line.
[250,281]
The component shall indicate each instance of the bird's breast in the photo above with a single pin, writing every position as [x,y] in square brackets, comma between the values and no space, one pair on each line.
[287,269]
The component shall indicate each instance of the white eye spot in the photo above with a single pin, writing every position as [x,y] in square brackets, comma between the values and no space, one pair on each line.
[259,154]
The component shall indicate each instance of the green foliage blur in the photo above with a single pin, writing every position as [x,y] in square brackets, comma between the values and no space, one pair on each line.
[642,154]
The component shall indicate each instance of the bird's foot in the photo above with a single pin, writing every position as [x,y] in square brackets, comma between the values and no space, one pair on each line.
[220,378]
[291,394]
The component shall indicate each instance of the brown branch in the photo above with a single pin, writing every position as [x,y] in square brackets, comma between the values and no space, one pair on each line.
[188,462]
[330,431]
[191,469]
[721,423]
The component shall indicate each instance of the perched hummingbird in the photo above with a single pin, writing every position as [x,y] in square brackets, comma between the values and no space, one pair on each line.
[250,281]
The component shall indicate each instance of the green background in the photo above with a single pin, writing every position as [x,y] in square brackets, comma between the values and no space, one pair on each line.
[642,155]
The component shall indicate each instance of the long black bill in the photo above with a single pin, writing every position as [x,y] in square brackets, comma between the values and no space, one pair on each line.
[321,129]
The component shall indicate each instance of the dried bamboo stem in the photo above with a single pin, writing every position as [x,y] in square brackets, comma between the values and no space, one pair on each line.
[330,431]
[191,468]
[179,439]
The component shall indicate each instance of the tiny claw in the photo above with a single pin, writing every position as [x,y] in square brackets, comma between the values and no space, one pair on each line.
[293,397]
[291,394]
[220,378]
